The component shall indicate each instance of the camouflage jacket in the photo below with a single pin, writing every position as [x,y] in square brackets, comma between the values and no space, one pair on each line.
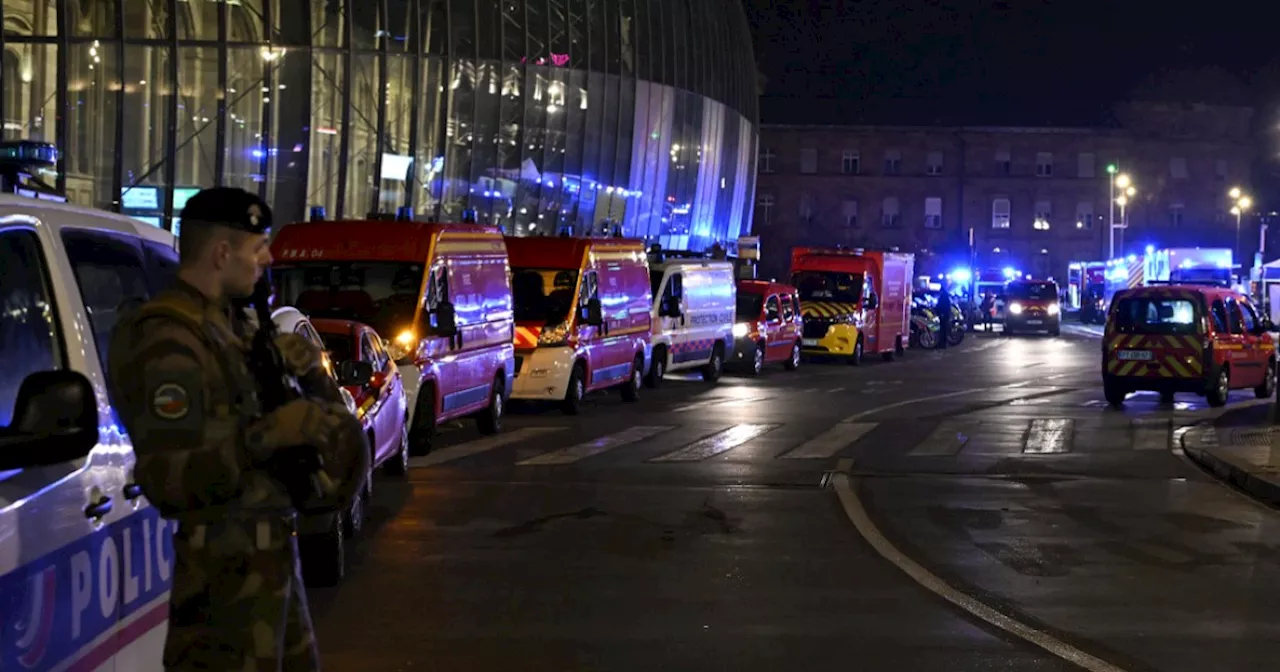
[180,383]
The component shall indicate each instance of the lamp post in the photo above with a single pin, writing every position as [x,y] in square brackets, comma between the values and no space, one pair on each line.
[1125,184]
[1240,203]
[1127,192]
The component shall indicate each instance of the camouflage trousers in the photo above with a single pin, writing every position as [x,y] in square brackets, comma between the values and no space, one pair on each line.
[238,602]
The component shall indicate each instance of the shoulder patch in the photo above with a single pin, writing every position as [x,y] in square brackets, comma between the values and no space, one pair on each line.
[170,401]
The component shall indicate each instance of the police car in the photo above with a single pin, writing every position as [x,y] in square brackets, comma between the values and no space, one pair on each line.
[85,562]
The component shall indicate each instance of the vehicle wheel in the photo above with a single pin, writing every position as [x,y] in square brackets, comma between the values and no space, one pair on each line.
[1268,386]
[631,388]
[794,363]
[956,335]
[926,340]
[856,358]
[423,432]
[1056,332]
[1114,393]
[325,556]
[358,514]
[898,348]
[398,465]
[658,369]
[490,419]
[575,391]
[1219,389]
[711,370]
[757,361]
[1166,397]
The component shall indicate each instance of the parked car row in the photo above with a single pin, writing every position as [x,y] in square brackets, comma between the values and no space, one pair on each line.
[420,324]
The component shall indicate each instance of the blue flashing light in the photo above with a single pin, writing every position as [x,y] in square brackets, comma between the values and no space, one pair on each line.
[961,275]
[1151,249]
[1132,258]
[1010,273]
[317,213]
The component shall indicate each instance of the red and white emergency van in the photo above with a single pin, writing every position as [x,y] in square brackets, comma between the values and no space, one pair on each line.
[439,294]
[582,317]
[853,300]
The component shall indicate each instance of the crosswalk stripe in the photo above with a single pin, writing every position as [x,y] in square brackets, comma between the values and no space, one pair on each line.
[479,446]
[1151,433]
[1049,435]
[947,439]
[830,442]
[715,444]
[719,401]
[835,389]
[596,446]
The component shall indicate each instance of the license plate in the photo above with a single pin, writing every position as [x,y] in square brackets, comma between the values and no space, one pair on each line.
[808,341]
[1035,321]
[1134,355]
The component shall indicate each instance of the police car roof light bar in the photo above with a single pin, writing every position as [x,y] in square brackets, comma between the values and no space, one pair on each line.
[19,163]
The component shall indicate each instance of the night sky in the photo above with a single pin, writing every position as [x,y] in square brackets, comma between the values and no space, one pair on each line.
[965,60]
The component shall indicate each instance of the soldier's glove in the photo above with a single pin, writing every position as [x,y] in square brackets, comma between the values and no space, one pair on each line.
[300,355]
[301,422]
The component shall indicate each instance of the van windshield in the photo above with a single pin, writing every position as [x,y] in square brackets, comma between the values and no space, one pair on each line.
[382,295]
[543,294]
[1032,291]
[749,306]
[828,286]
[1146,315]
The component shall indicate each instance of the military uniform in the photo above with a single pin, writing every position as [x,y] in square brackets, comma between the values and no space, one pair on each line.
[179,379]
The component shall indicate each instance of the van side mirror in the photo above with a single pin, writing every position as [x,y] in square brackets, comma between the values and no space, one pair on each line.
[444,320]
[55,419]
[591,314]
[354,372]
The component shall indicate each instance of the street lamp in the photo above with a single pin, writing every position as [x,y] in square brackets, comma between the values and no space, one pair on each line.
[1125,184]
[1240,203]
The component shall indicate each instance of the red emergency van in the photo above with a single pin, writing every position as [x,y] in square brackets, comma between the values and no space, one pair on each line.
[768,326]
[853,300]
[439,294]
[582,317]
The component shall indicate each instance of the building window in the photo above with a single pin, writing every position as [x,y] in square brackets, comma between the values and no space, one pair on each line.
[1084,215]
[808,161]
[1044,213]
[892,162]
[806,206]
[764,208]
[850,164]
[1085,164]
[1000,213]
[764,163]
[1175,214]
[1178,168]
[1220,170]
[889,215]
[1044,164]
[933,165]
[850,209]
[933,213]
[1004,162]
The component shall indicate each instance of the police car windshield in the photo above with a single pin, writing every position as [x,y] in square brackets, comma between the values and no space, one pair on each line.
[382,295]
[828,286]
[543,294]
[749,306]
[1032,291]
[1143,315]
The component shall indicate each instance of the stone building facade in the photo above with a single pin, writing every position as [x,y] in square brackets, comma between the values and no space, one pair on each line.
[1031,198]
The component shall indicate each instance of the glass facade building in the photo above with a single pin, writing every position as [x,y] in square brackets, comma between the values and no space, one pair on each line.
[540,115]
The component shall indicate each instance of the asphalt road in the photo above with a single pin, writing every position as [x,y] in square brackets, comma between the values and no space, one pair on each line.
[700,530]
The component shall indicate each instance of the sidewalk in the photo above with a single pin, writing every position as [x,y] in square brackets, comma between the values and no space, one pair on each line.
[1243,448]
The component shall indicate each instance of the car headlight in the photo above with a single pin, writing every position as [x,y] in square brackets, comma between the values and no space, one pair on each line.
[1054,309]
[1015,308]
[402,346]
[741,329]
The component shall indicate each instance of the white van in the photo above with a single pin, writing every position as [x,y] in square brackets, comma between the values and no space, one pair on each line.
[694,300]
[85,562]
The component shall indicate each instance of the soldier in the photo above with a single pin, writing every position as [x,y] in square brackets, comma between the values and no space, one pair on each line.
[179,379]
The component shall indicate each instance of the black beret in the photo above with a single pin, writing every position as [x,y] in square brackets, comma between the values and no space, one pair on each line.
[231,207]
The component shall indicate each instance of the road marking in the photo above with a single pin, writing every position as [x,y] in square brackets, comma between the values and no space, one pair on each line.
[946,439]
[835,389]
[596,446]
[830,442]
[1151,433]
[479,446]
[720,402]
[715,444]
[858,515]
[899,404]
[1049,435]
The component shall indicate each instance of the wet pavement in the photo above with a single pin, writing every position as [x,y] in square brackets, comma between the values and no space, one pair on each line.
[698,529]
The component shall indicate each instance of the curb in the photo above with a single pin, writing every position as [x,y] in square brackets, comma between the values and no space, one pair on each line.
[1203,453]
